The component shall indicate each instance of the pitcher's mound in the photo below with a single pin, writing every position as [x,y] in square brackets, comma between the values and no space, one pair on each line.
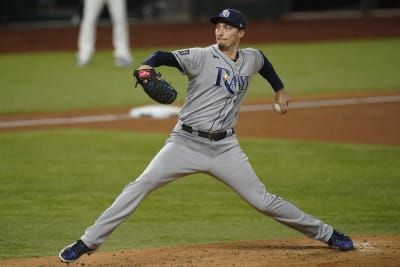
[371,250]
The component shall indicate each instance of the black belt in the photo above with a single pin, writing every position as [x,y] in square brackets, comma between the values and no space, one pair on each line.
[214,135]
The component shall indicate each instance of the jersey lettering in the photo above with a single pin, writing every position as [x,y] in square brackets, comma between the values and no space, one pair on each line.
[232,83]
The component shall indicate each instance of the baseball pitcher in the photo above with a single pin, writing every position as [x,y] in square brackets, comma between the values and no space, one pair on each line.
[204,138]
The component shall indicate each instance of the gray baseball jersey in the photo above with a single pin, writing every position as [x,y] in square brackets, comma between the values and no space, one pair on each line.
[217,86]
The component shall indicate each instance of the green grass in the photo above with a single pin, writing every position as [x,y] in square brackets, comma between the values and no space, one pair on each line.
[55,183]
[337,67]
[40,82]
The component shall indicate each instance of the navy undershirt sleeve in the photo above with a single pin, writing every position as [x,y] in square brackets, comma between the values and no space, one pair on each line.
[269,73]
[162,58]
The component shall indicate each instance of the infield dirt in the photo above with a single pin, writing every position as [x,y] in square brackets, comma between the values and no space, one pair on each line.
[371,250]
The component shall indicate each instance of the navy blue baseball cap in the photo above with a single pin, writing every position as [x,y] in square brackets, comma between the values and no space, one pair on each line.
[232,17]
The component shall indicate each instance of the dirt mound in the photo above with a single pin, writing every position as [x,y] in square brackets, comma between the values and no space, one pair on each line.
[371,250]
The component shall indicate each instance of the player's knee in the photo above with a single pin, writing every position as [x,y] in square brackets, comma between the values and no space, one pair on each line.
[266,204]
[141,184]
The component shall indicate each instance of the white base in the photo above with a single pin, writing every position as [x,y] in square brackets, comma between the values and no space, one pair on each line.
[154,111]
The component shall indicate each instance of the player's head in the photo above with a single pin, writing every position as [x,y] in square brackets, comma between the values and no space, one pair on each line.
[232,17]
[230,27]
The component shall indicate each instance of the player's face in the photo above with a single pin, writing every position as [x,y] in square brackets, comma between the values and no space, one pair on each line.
[227,36]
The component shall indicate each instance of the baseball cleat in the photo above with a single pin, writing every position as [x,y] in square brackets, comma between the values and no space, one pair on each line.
[73,251]
[340,241]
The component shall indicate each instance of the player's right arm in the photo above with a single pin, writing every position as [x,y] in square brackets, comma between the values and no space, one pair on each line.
[161,58]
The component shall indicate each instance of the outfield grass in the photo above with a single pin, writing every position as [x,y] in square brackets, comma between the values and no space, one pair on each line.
[40,82]
[57,182]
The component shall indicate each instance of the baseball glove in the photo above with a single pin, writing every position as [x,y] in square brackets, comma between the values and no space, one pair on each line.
[155,87]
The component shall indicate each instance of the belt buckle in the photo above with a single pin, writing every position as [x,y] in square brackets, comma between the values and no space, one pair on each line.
[216,135]
[210,135]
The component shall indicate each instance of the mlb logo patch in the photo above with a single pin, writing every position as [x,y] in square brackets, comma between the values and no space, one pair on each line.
[184,52]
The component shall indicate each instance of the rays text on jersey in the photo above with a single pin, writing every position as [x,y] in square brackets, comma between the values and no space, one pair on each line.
[232,82]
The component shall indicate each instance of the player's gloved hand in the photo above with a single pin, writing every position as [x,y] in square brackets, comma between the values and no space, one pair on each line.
[282,99]
[155,87]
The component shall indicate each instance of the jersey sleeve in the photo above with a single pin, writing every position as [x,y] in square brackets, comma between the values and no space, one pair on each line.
[190,60]
[253,60]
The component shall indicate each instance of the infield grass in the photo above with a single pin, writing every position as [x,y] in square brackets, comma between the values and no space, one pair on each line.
[57,182]
[41,82]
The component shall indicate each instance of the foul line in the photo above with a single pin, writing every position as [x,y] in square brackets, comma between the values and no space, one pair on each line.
[244,108]
[327,103]
[55,121]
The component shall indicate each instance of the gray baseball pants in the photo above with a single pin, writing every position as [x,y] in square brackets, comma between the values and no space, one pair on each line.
[184,154]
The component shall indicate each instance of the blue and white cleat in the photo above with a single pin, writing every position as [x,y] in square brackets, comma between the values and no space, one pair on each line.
[340,241]
[73,251]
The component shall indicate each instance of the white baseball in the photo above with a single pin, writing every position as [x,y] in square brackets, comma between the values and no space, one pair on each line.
[277,107]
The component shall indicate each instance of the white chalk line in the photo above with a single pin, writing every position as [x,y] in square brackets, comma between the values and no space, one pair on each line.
[327,103]
[72,120]
[244,108]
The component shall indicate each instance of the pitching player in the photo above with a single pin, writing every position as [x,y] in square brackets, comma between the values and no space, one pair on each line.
[204,139]
[87,33]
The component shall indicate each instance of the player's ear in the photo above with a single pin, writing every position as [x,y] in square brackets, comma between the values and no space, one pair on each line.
[241,33]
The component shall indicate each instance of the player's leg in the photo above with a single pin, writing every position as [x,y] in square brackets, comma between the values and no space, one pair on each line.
[234,169]
[87,32]
[118,13]
[174,160]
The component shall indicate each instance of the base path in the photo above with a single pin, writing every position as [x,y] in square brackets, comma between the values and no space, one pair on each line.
[368,118]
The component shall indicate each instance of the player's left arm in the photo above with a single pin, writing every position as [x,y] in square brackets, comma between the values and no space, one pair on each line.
[281,95]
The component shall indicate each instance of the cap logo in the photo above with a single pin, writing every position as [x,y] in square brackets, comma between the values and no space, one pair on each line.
[225,13]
